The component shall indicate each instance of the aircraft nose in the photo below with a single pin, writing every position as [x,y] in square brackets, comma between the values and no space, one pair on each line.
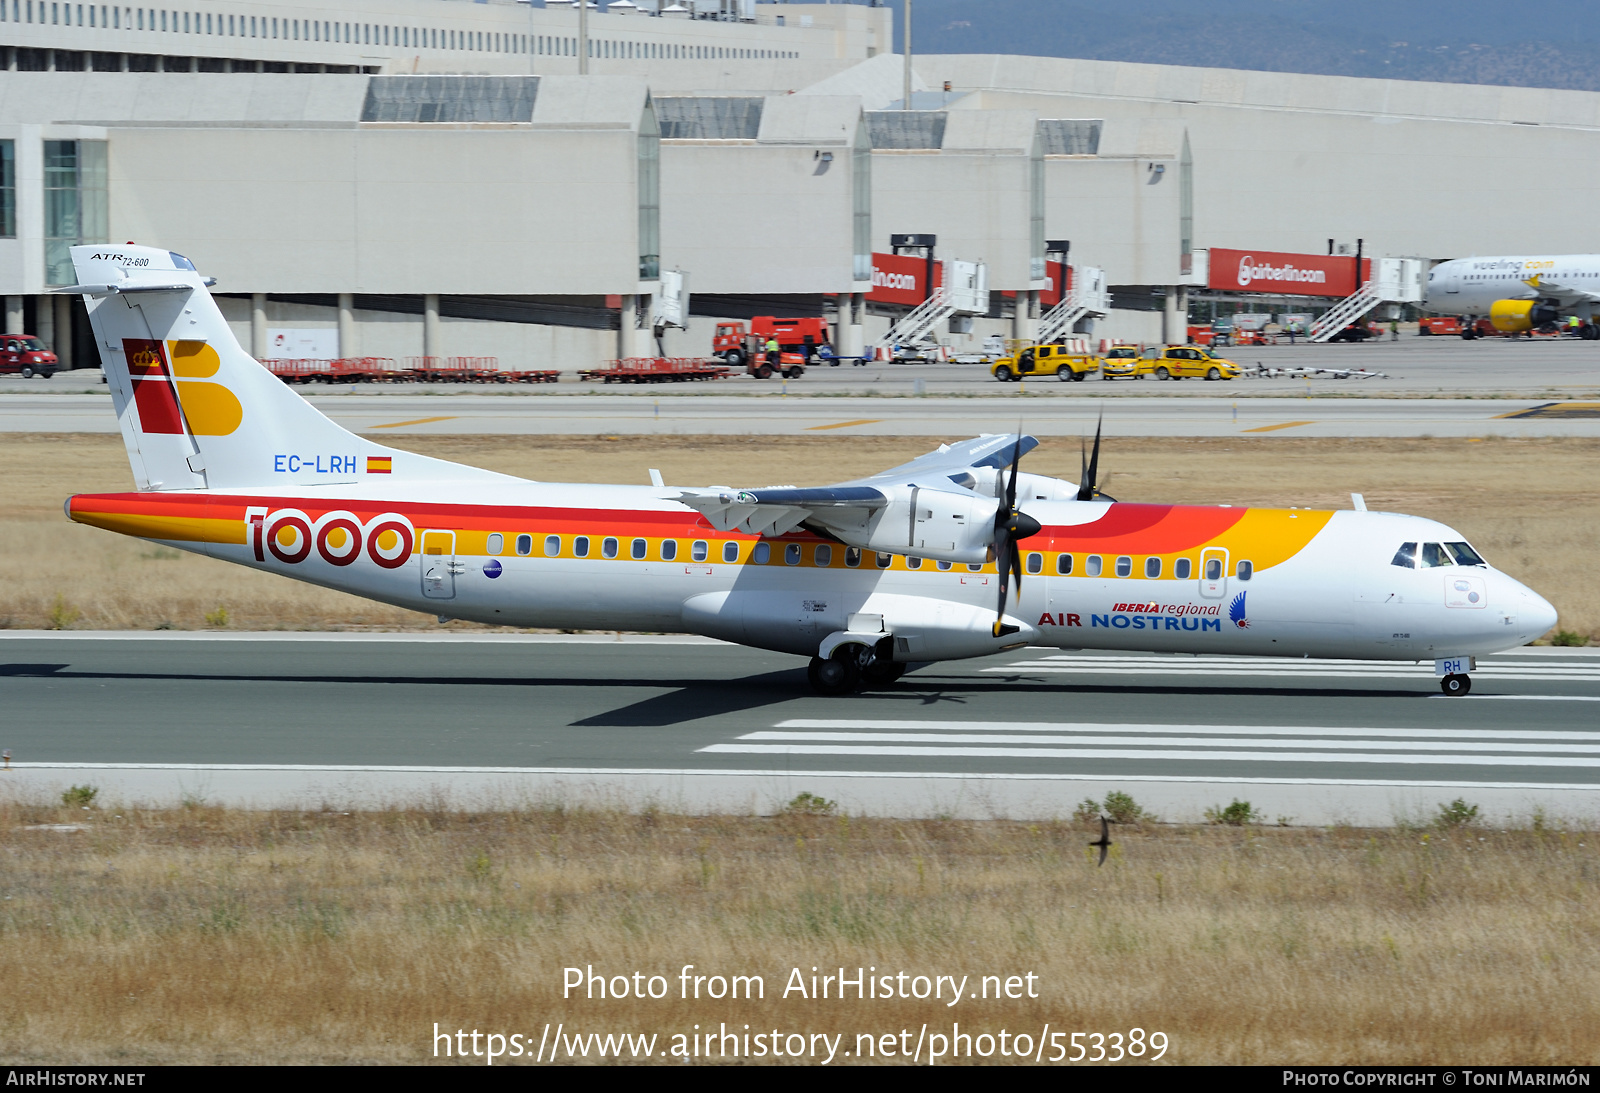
[1538,612]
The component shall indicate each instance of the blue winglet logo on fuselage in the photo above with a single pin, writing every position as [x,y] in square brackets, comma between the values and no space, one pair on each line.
[1236,611]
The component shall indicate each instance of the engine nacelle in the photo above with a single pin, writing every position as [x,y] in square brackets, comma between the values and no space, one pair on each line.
[1517,316]
[953,525]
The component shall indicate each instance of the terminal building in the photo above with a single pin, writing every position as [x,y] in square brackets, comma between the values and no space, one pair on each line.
[446,178]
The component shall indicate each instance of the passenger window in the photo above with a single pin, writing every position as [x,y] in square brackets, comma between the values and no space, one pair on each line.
[1213,569]
[791,554]
[1180,569]
[913,563]
[730,551]
[497,542]
[974,567]
[1406,556]
[824,556]
[1091,565]
[669,549]
[608,548]
[943,567]
[1063,563]
[638,548]
[852,557]
[884,560]
[698,552]
[1152,568]
[524,544]
[552,545]
[1465,555]
[1246,570]
[580,546]
[1035,563]
[1433,554]
[761,553]
[1124,566]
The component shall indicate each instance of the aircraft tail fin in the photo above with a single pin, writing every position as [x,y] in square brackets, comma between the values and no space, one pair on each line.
[196,410]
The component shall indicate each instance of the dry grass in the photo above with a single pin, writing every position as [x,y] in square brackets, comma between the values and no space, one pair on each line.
[200,935]
[1529,505]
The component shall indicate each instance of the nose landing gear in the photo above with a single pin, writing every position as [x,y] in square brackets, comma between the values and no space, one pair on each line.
[1456,684]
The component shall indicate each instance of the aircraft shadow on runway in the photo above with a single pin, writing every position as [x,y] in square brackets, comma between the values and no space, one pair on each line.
[694,700]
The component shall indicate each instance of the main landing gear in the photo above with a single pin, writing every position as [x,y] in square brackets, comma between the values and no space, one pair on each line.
[853,667]
[1456,685]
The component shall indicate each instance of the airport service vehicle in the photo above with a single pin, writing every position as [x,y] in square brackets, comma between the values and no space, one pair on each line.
[906,566]
[26,356]
[1357,332]
[800,342]
[1124,362]
[1446,325]
[1518,293]
[1044,360]
[1176,362]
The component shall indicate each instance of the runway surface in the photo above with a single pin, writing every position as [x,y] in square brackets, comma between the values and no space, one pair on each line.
[273,718]
[385,415]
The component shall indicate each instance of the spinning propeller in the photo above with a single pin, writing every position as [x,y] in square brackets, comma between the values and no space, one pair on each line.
[1010,525]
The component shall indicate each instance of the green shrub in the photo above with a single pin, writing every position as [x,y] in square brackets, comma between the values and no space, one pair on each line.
[1569,637]
[1457,814]
[1118,807]
[809,804]
[79,796]
[1236,814]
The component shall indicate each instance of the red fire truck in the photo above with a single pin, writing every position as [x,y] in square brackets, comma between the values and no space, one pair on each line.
[800,342]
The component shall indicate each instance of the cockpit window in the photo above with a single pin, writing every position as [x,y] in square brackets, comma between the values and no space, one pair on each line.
[1465,555]
[1434,554]
[1406,556]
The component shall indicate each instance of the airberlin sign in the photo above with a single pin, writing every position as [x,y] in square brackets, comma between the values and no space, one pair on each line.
[901,279]
[337,537]
[1285,274]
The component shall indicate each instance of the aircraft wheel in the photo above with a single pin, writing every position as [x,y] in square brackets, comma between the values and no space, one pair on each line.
[881,673]
[1456,685]
[834,676]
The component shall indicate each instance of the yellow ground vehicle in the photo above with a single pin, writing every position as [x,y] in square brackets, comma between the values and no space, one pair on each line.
[1044,360]
[1124,362]
[1176,362]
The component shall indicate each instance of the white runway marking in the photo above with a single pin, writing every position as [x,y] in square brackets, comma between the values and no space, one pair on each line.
[1183,743]
[1266,668]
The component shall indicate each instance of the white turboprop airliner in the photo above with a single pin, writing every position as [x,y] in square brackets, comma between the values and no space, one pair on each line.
[1518,293]
[910,565]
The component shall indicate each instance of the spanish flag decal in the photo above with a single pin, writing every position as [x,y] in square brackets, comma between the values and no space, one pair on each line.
[380,464]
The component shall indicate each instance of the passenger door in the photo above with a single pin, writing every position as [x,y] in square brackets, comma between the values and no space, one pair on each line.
[1213,573]
[439,566]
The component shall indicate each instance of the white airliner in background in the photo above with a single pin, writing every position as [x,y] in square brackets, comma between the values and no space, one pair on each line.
[1518,293]
[909,565]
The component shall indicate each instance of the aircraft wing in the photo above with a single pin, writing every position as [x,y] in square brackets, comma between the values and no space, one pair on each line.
[850,510]
[1567,295]
[950,461]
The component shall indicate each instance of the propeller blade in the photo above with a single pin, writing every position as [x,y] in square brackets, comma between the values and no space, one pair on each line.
[1087,485]
[1007,522]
